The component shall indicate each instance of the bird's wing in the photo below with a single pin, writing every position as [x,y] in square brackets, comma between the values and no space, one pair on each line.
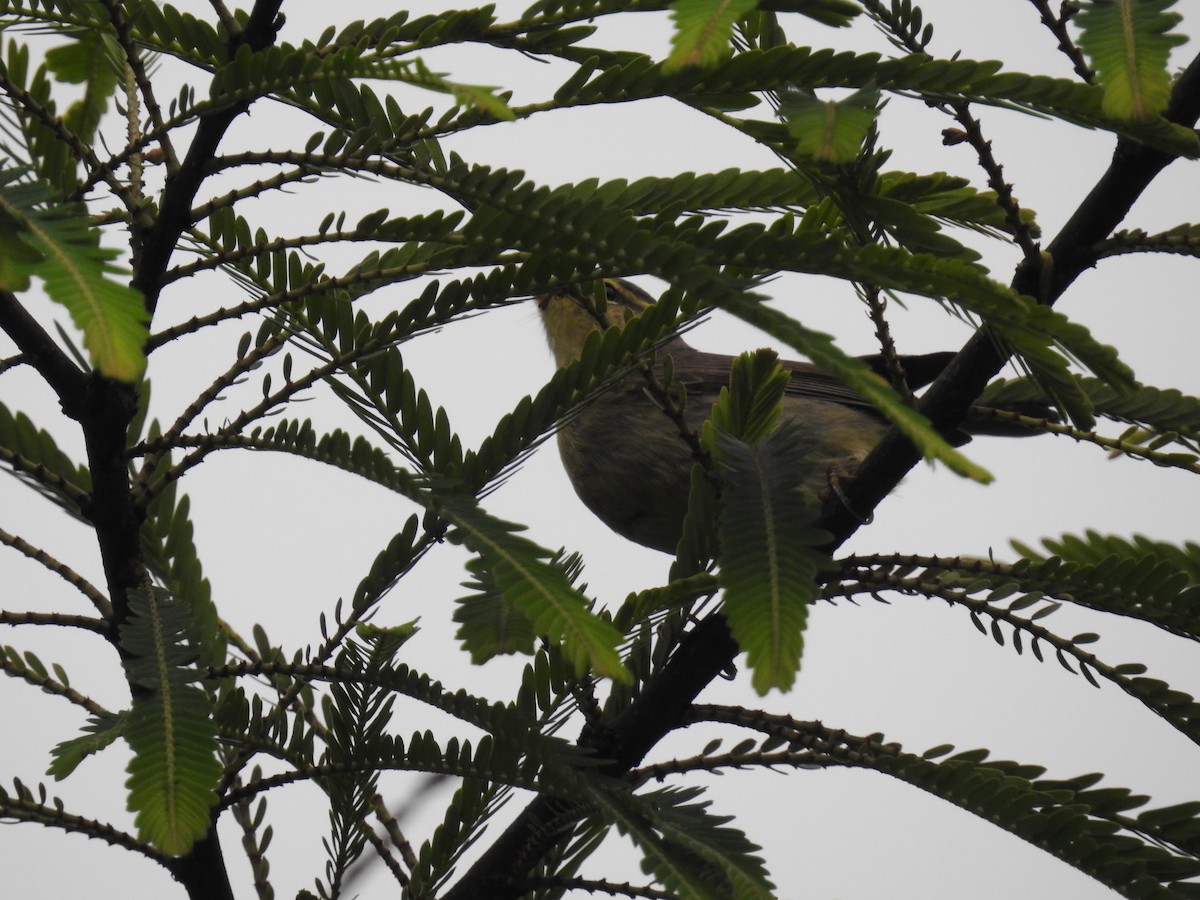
[709,372]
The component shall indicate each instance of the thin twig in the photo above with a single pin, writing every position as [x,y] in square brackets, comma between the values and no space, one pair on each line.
[65,378]
[1058,27]
[26,809]
[15,667]
[52,481]
[82,152]
[133,59]
[876,307]
[160,446]
[1021,230]
[86,623]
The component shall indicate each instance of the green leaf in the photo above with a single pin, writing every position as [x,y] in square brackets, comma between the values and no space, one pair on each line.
[982,81]
[1160,412]
[172,557]
[697,547]
[830,131]
[76,272]
[18,256]
[749,408]
[821,349]
[768,568]
[482,98]
[835,13]
[36,445]
[949,198]
[1129,44]
[537,589]
[910,226]
[1063,818]
[768,564]
[470,95]
[488,625]
[1145,579]
[703,31]
[98,733]
[174,772]
[93,60]
[692,852]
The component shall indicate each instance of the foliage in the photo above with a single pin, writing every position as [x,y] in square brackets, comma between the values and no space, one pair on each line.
[125,206]
[173,773]
[54,242]
[1128,44]
[767,558]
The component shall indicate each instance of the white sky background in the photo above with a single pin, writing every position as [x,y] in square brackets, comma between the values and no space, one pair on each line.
[281,540]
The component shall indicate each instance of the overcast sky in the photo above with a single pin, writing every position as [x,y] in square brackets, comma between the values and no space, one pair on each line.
[282,541]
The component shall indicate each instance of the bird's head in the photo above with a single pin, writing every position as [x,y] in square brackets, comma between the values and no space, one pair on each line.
[569,316]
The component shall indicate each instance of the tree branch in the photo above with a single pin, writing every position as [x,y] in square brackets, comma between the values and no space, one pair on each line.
[709,648]
[39,350]
[179,193]
[1073,250]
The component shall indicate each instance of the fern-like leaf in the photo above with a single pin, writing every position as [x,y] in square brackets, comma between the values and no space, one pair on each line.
[537,589]
[1146,579]
[488,625]
[703,29]
[1055,816]
[93,60]
[76,272]
[172,557]
[98,733]
[768,566]
[174,771]
[830,131]
[1128,43]
[1162,411]
[691,852]
[33,455]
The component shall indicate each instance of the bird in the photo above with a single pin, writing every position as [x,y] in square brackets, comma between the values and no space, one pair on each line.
[628,460]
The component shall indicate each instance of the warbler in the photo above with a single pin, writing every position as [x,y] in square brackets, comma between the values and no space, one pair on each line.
[628,460]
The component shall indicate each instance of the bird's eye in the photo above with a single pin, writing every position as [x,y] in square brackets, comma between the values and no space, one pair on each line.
[611,294]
